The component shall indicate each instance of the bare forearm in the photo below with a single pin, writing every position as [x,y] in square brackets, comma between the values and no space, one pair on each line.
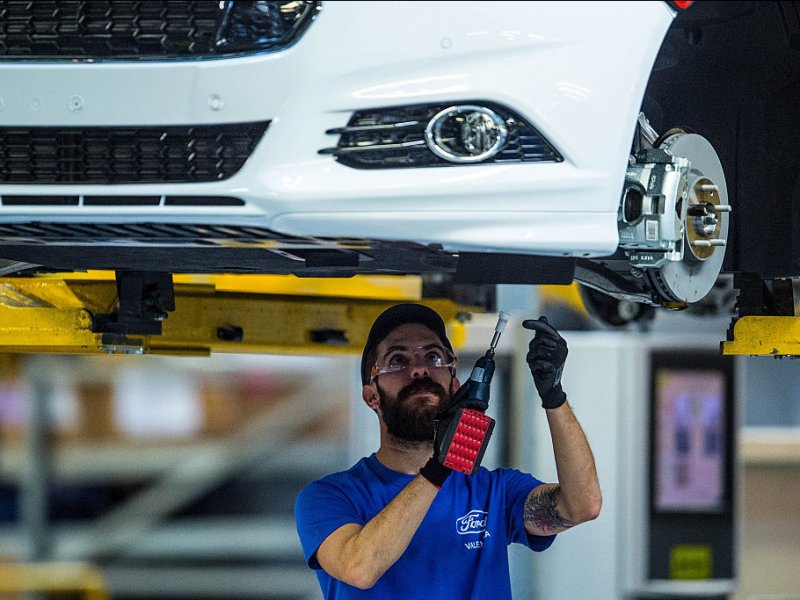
[384,539]
[553,508]
[579,489]
[360,556]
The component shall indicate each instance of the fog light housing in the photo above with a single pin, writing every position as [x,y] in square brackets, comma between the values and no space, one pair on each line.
[394,137]
[466,133]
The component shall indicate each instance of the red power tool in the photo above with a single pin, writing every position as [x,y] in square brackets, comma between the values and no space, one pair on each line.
[464,429]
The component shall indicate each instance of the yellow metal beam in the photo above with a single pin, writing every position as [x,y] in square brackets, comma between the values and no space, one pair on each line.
[261,314]
[53,578]
[764,336]
[387,287]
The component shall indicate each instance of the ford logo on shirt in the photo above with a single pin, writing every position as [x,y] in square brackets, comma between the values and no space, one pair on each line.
[472,522]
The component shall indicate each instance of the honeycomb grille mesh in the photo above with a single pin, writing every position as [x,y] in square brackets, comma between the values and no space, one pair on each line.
[50,28]
[147,29]
[112,155]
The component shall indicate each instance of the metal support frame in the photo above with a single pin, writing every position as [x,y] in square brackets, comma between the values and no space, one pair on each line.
[34,498]
[119,531]
[145,299]
[264,314]
[96,312]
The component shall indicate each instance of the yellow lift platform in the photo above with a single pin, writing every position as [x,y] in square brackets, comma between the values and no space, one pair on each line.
[764,336]
[265,314]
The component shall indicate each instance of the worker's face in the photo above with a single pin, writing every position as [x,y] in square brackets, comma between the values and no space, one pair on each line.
[410,398]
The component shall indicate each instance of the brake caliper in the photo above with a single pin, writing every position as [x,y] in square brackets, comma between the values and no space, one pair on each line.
[653,209]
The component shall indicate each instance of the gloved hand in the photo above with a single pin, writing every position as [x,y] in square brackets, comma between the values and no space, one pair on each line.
[547,353]
[434,471]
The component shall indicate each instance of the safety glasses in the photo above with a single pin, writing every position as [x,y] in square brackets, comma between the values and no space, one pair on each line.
[399,358]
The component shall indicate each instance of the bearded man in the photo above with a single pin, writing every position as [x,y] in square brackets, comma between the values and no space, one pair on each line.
[399,523]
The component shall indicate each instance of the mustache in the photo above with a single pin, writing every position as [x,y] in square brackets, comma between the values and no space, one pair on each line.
[425,384]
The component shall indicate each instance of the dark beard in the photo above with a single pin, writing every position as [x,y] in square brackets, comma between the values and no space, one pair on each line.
[406,421]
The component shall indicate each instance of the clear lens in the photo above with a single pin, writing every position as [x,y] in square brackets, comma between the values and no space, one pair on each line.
[399,359]
[265,24]
[466,133]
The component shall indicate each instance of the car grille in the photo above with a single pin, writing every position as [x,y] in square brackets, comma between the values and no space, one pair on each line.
[148,29]
[112,155]
[122,232]
[393,138]
[97,200]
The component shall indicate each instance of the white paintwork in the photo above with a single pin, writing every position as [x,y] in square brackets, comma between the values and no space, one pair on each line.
[576,70]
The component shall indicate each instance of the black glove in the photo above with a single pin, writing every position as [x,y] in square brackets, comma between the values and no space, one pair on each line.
[547,353]
[434,471]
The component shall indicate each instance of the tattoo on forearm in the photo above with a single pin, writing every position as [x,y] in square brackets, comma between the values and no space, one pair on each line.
[541,510]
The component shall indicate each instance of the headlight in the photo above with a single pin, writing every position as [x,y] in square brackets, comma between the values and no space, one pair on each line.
[264,24]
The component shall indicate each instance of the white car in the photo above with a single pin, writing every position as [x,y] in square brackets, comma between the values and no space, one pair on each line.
[480,142]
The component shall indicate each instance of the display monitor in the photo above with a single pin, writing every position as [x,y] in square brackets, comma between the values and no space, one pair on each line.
[691,453]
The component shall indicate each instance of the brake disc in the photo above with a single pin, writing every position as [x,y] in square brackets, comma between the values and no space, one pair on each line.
[705,224]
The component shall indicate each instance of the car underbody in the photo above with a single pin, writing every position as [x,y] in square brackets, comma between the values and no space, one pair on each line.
[711,111]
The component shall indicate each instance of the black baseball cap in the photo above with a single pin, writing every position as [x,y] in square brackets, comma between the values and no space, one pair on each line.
[392,318]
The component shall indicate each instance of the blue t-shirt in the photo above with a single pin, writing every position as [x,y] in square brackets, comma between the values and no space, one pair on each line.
[460,549]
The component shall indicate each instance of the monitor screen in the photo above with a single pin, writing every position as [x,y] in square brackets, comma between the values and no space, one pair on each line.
[689,444]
